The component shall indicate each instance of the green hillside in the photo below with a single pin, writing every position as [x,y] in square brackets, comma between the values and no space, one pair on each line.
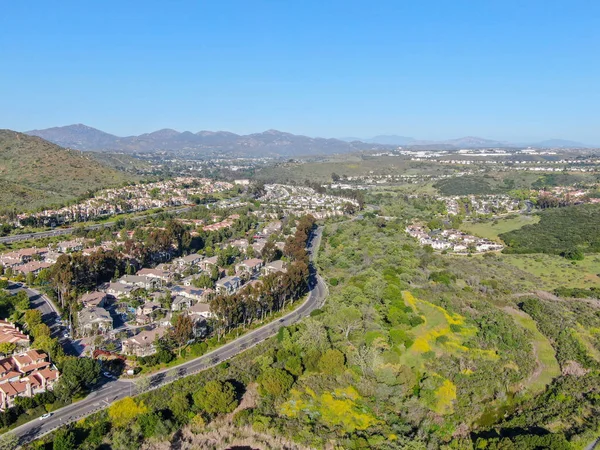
[36,173]
[566,231]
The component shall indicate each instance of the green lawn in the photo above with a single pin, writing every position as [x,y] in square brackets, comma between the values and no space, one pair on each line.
[555,271]
[491,229]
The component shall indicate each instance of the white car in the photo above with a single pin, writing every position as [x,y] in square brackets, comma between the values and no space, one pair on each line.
[45,416]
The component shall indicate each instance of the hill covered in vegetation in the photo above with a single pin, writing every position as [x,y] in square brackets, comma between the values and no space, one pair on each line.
[35,172]
[569,231]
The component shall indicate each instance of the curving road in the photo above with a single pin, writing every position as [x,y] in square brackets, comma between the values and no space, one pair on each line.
[110,391]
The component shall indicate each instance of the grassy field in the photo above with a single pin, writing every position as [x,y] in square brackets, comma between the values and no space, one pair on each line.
[555,271]
[491,229]
[349,165]
[548,367]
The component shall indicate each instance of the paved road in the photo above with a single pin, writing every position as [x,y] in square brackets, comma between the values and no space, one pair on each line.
[40,302]
[64,231]
[112,390]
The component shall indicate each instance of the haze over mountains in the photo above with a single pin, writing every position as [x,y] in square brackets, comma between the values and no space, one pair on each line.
[465,142]
[268,143]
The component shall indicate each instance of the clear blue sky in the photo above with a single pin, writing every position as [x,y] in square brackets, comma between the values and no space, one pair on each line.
[514,70]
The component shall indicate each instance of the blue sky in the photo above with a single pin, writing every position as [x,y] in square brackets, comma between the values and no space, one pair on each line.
[513,70]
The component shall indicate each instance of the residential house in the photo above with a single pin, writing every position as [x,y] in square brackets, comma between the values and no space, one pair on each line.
[94,320]
[181,303]
[228,285]
[143,282]
[148,308]
[163,275]
[197,294]
[10,260]
[25,375]
[273,227]
[274,267]
[51,257]
[119,290]
[208,263]
[143,319]
[189,260]
[240,244]
[34,267]
[69,246]
[94,298]
[188,281]
[249,267]
[258,245]
[200,310]
[10,333]
[142,344]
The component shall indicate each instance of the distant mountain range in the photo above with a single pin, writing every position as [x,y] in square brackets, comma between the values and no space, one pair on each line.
[465,142]
[268,143]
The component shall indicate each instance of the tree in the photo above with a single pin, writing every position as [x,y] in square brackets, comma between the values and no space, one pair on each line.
[332,362]
[64,439]
[32,318]
[180,405]
[142,384]
[216,397]
[21,301]
[270,252]
[7,348]
[41,330]
[51,346]
[62,277]
[274,382]
[77,375]
[183,331]
[123,439]
[8,441]
[30,279]
[203,281]
[346,319]
[125,411]
[349,208]
[335,177]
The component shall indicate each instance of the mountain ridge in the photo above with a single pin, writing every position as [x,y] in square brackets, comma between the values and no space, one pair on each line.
[273,143]
[267,143]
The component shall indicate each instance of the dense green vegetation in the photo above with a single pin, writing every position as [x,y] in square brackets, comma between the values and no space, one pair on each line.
[466,185]
[567,415]
[35,173]
[413,349]
[568,232]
